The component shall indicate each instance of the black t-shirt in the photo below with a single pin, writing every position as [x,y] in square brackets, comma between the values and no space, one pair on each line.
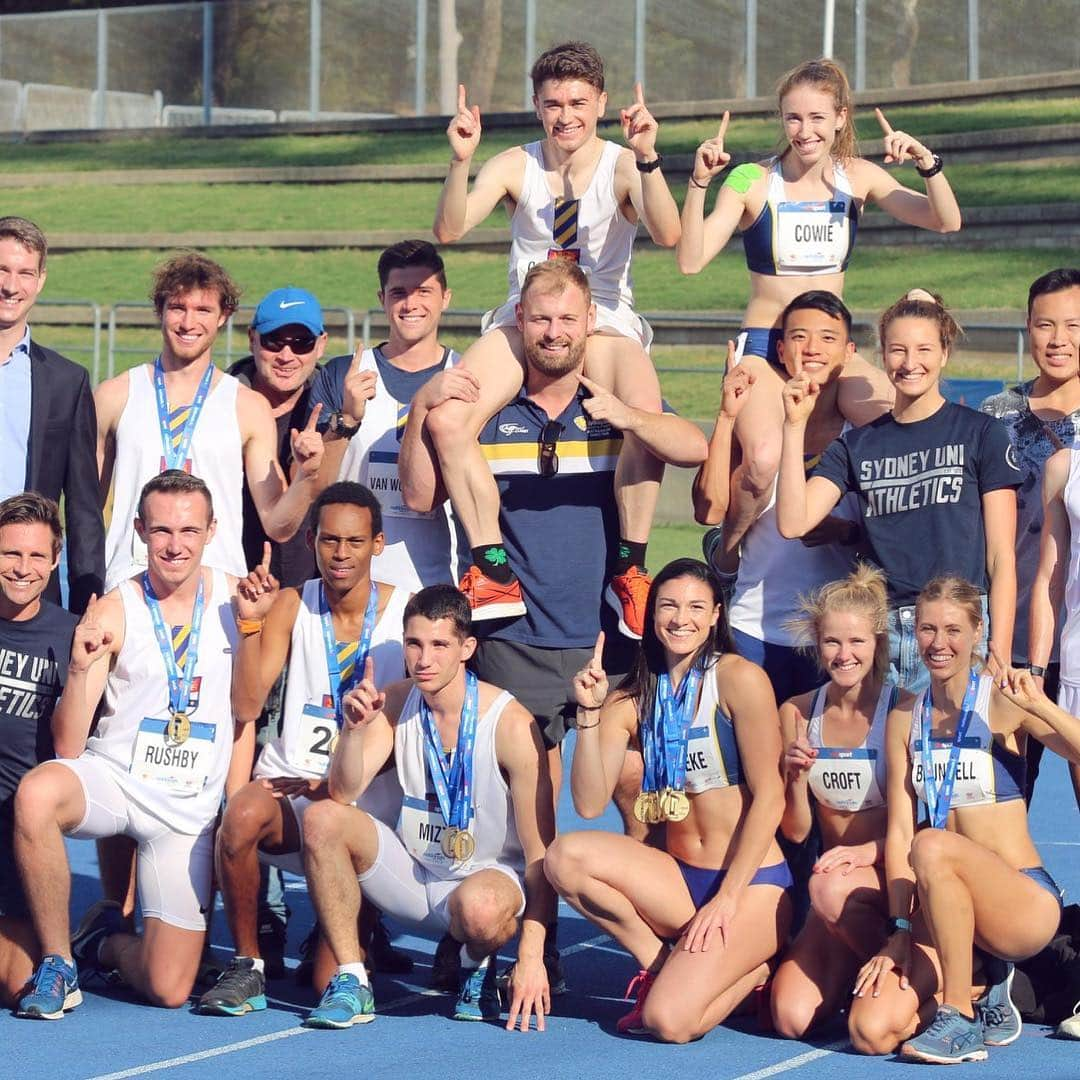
[33,665]
[292,562]
[920,488]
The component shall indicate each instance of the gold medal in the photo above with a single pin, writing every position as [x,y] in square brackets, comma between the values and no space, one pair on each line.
[676,805]
[653,811]
[446,842]
[178,729]
[641,807]
[464,846]
[333,744]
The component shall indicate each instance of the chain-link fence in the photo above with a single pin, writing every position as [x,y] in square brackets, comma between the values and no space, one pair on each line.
[254,61]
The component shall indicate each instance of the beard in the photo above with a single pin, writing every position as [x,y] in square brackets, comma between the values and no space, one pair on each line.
[555,365]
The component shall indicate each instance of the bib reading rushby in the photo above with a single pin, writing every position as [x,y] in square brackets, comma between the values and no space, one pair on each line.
[850,779]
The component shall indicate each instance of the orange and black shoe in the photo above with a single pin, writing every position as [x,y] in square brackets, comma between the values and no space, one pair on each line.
[627,594]
[491,599]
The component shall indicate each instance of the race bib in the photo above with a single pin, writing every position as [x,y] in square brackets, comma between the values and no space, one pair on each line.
[181,769]
[974,772]
[383,479]
[709,763]
[811,235]
[316,735]
[421,831]
[845,779]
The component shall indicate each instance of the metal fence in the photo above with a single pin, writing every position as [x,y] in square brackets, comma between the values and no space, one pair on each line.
[263,61]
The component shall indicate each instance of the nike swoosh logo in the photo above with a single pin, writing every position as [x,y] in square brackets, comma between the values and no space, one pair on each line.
[290,303]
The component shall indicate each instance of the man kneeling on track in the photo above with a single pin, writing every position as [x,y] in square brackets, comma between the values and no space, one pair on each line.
[477,815]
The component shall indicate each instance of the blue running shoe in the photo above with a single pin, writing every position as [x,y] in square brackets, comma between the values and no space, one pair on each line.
[241,988]
[478,998]
[344,1003]
[950,1039]
[101,920]
[1000,1017]
[55,990]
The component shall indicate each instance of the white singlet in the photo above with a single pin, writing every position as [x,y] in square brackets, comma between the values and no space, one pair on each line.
[712,752]
[493,824]
[181,786]
[216,458]
[774,570]
[1070,634]
[603,249]
[308,724]
[421,547]
[850,778]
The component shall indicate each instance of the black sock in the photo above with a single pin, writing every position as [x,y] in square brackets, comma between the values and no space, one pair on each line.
[629,554]
[492,560]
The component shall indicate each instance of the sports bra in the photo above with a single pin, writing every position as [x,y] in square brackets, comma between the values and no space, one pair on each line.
[802,239]
[712,754]
[850,778]
[986,772]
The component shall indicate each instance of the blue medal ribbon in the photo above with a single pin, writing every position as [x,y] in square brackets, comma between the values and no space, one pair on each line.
[179,684]
[938,800]
[175,457]
[337,689]
[665,736]
[453,783]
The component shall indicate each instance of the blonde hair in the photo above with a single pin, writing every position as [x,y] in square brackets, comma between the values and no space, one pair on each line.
[862,592]
[912,306]
[554,277]
[829,77]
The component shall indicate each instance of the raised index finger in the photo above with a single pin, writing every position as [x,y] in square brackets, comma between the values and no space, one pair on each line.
[796,357]
[265,564]
[598,651]
[723,126]
[886,127]
[313,419]
[369,669]
[802,728]
[462,100]
[639,94]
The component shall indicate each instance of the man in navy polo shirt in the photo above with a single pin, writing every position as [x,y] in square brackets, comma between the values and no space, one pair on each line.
[553,452]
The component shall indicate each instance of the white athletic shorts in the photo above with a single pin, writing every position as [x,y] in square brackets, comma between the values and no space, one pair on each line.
[1069,697]
[382,800]
[400,886]
[620,320]
[175,870]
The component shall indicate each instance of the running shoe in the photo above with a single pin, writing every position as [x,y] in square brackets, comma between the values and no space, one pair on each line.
[240,989]
[638,990]
[999,1015]
[950,1039]
[556,978]
[1069,1028]
[383,956]
[627,594]
[491,599]
[478,998]
[446,967]
[101,920]
[54,990]
[344,1003]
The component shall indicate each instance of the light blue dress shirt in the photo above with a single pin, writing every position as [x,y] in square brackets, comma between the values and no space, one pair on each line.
[15,418]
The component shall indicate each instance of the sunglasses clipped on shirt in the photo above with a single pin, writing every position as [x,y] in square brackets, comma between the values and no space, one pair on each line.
[301,344]
[547,458]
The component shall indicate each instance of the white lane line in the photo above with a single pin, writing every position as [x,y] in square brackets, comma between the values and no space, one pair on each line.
[247,1044]
[1057,843]
[203,1055]
[796,1062]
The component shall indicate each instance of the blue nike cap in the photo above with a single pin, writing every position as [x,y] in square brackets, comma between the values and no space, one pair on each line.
[289,306]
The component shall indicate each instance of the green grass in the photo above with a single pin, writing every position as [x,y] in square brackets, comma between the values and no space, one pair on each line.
[995,279]
[668,542]
[226,207]
[430,147]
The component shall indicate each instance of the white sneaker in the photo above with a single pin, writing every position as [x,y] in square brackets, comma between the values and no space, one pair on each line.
[1069,1028]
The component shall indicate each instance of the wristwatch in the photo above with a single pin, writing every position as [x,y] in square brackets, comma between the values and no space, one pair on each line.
[650,166]
[339,426]
[1037,670]
[935,167]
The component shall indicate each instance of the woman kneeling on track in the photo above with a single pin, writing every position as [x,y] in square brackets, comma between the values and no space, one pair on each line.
[972,877]
[704,916]
[838,756]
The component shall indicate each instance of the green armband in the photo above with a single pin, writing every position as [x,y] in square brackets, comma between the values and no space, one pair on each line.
[742,176]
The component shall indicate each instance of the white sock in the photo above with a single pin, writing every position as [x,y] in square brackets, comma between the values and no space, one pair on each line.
[356,969]
[257,963]
[469,963]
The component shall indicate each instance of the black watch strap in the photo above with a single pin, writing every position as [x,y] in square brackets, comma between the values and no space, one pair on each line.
[935,167]
[650,166]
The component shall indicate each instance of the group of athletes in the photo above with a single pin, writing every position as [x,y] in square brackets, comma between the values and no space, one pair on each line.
[275,672]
